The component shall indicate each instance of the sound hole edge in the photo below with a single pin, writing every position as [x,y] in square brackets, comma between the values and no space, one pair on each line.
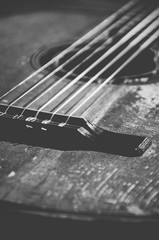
[134,73]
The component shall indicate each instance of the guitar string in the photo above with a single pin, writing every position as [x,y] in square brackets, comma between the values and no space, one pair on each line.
[122,53]
[141,24]
[55,71]
[128,36]
[49,88]
[141,48]
[156,22]
[84,38]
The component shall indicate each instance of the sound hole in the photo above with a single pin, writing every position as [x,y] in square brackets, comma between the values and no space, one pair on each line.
[136,72]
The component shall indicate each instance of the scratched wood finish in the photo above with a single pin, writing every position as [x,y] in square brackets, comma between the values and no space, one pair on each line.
[78,182]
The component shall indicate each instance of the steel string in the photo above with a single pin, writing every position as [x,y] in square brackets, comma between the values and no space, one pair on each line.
[141,48]
[128,36]
[84,38]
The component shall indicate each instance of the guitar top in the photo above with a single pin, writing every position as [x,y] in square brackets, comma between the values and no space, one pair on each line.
[89,153]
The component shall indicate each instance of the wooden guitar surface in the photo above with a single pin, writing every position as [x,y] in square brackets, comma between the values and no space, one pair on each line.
[75,182]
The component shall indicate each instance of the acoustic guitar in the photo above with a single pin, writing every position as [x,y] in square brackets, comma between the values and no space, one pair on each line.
[79,103]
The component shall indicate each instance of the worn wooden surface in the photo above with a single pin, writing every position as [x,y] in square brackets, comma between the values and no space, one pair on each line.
[77,183]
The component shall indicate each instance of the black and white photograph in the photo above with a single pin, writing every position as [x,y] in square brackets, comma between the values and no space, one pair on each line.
[79,119]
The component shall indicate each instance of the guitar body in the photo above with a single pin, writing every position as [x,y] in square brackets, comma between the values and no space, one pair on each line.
[65,181]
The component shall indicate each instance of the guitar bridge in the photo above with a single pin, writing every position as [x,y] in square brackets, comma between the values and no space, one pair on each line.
[115,143]
[66,133]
